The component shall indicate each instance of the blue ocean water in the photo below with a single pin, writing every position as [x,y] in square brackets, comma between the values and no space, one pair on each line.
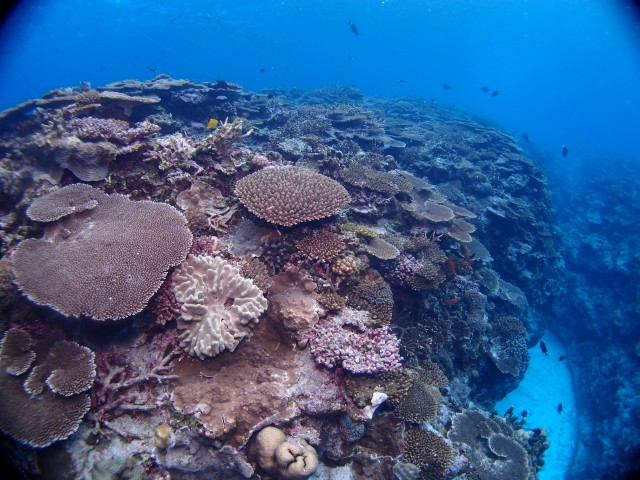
[567,73]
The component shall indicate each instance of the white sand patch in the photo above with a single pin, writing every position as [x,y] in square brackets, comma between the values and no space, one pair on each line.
[546,384]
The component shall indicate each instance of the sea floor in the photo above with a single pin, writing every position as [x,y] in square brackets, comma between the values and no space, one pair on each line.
[548,383]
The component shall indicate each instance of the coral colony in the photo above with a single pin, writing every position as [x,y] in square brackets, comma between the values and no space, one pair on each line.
[303,286]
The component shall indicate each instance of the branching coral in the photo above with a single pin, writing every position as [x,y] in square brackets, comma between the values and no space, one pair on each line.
[359,349]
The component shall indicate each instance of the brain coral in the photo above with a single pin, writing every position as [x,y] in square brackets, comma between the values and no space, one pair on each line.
[104,257]
[218,305]
[291,195]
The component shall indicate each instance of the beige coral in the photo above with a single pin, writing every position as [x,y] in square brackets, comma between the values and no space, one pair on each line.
[282,457]
[218,305]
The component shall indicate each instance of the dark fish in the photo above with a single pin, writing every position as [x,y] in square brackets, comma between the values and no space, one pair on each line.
[543,347]
[509,412]
[485,89]
[495,93]
[262,70]
[564,150]
[525,136]
[559,408]
[152,70]
[401,80]
[353,27]
[350,59]
[524,414]
[561,357]
[446,86]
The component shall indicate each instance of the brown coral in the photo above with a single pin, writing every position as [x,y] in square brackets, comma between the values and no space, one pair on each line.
[104,262]
[419,404]
[42,419]
[428,450]
[291,195]
[321,246]
[374,295]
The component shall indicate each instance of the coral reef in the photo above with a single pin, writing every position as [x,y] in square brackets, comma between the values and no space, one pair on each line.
[350,276]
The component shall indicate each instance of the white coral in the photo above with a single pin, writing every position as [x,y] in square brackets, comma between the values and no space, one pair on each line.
[218,305]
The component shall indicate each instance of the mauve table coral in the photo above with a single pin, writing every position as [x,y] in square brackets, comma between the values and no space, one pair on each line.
[105,256]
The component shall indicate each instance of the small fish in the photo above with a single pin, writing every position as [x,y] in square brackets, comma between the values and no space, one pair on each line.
[401,80]
[213,123]
[559,408]
[509,412]
[449,301]
[446,86]
[152,69]
[564,150]
[543,347]
[262,70]
[485,89]
[353,27]
[525,136]
[350,59]
[495,93]
[561,358]
[524,414]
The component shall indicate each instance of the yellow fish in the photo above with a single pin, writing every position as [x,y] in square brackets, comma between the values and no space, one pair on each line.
[213,123]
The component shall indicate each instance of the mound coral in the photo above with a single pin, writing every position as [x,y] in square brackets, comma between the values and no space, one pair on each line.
[291,195]
[285,458]
[48,403]
[104,257]
[218,305]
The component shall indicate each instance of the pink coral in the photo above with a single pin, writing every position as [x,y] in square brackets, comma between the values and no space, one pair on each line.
[359,349]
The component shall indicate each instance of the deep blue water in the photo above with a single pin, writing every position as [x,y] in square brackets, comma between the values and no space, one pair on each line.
[568,73]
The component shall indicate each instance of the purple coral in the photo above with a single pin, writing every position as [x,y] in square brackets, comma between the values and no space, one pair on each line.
[359,350]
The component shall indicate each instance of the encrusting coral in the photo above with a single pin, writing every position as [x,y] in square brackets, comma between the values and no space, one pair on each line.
[105,255]
[218,305]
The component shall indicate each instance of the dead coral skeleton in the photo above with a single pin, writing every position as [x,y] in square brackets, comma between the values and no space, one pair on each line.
[115,394]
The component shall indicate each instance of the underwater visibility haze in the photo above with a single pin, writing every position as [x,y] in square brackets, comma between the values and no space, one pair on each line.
[320,239]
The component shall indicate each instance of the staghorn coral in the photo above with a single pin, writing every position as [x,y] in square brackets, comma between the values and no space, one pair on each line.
[107,261]
[419,404]
[43,417]
[290,195]
[428,450]
[218,305]
[321,245]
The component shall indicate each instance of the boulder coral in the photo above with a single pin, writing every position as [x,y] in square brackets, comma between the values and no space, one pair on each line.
[285,458]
